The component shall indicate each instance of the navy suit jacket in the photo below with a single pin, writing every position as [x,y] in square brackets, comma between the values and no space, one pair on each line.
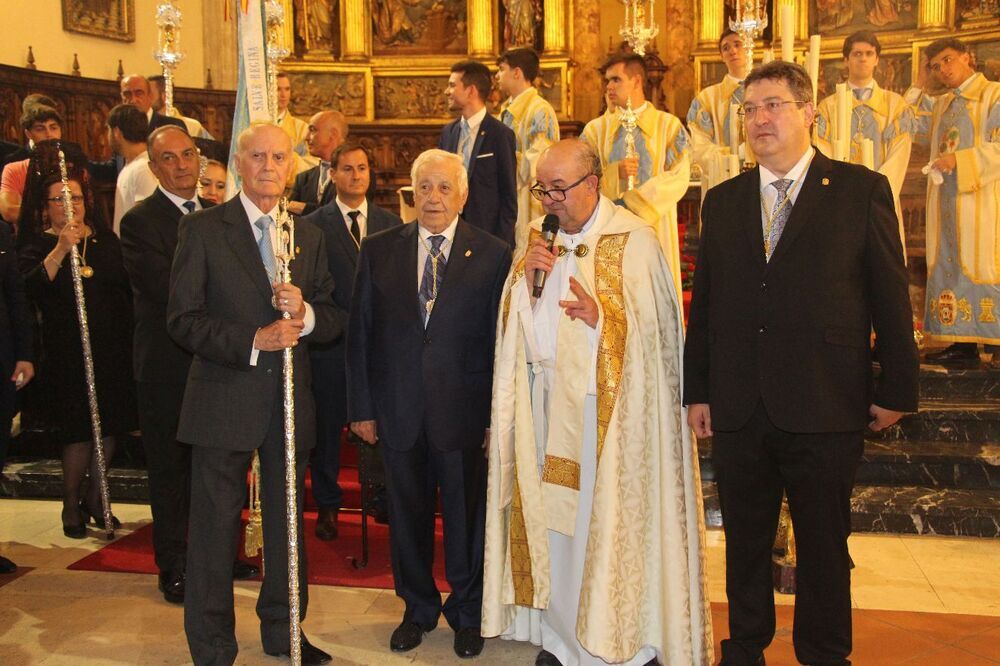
[16,333]
[329,359]
[492,202]
[305,187]
[436,379]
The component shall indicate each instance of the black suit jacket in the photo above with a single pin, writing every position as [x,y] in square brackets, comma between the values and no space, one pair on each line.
[159,120]
[410,378]
[794,332]
[16,332]
[149,238]
[342,260]
[492,202]
[305,187]
[219,297]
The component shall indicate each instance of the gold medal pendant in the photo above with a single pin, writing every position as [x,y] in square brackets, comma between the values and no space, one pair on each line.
[430,306]
[86,271]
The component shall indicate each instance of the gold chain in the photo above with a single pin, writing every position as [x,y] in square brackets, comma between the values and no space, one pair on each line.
[434,268]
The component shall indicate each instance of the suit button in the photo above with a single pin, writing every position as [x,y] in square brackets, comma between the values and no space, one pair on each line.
[763,286]
[427,341]
[763,329]
[269,371]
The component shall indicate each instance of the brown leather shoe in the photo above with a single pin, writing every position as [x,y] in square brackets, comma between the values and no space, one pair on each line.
[326,524]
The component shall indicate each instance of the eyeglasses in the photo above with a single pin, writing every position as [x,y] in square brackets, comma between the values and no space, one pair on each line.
[749,111]
[76,199]
[557,194]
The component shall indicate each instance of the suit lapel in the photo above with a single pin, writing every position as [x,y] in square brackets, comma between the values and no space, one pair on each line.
[458,261]
[407,285]
[241,240]
[810,198]
[480,136]
[748,199]
[344,236]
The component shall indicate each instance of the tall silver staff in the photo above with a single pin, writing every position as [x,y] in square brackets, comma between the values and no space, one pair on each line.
[88,357]
[284,254]
[168,53]
[630,121]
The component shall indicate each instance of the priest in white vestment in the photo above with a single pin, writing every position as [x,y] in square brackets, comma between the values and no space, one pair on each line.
[595,533]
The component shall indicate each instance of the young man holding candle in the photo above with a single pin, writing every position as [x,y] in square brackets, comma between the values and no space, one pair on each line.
[879,130]
[712,118]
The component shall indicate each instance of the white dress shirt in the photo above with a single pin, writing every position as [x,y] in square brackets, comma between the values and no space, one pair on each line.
[180,201]
[797,174]
[474,122]
[362,219]
[254,214]
[135,183]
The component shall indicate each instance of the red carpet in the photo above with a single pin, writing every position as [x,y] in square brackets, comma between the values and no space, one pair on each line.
[329,561]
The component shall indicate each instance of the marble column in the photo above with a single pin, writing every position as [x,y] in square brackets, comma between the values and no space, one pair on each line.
[588,89]
[219,44]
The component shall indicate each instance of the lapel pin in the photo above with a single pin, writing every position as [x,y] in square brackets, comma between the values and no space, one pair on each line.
[468,253]
[298,250]
[826,181]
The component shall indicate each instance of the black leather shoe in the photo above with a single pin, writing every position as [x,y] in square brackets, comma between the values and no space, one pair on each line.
[407,636]
[172,587]
[468,643]
[546,658]
[75,531]
[310,653]
[244,570]
[955,353]
[6,566]
[326,524]
[98,518]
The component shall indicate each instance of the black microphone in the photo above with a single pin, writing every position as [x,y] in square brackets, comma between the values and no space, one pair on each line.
[550,227]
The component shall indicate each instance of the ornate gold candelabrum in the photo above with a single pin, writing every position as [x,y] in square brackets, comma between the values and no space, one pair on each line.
[749,23]
[168,53]
[277,51]
[640,27]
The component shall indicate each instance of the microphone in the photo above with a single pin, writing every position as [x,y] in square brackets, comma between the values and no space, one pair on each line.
[550,227]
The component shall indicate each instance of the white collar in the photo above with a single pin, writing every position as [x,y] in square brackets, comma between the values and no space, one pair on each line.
[637,111]
[476,119]
[180,201]
[868,86]
[345,209]
[735,80]
[149,114]
[448,233]
[965,83]
[794,174]
[587,226]
[254,213]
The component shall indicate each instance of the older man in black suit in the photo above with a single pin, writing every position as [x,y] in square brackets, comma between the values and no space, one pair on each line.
[420,369]
[224,288]
[345,222]
[488,150]
[800,260]
[149,238]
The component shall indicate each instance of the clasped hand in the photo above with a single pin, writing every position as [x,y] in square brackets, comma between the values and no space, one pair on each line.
[283,333]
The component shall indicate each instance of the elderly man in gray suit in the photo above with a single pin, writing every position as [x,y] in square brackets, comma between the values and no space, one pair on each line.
[225,306]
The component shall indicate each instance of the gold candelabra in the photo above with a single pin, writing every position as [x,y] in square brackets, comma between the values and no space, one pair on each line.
[640,27]
[168,53]
[749,24]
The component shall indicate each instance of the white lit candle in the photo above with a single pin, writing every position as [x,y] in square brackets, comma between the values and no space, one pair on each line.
[812,63]
[788,33]
[734,129]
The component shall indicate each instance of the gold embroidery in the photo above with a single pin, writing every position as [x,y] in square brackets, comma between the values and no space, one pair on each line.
[965,309]
[517,275]
[561,472]
[520,554]
[986,315]
[946,307]
[610,285]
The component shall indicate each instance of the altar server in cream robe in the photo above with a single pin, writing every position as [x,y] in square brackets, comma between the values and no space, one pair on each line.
[595,531]
[296,129]
[963,231]
[535,127]
[879,115]
[708,119]
[662,168]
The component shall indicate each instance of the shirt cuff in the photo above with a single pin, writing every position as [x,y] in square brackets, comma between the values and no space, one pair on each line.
[254,352]
[308,321]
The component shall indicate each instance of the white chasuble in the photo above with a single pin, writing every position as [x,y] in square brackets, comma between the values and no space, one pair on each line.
[595,531]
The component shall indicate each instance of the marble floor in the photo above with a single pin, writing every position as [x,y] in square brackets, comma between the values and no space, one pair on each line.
[918,600]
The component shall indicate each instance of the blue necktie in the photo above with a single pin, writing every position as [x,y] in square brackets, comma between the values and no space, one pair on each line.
[189,205]
[430,283]
[507,118]
[465,143]
[862,94]
[265,247]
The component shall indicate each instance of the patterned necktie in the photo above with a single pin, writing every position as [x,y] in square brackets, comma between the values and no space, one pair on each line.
[465,142]
[779,214]
[862,94]
[430,283]
[265,247]
[355,227]
[324,179]
[507,118]
[189,205]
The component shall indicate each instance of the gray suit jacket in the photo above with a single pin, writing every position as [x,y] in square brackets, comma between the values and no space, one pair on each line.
[219,297]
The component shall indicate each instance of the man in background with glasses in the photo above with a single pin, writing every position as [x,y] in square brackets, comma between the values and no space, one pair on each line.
[661,166]
[800,260]
[588,442]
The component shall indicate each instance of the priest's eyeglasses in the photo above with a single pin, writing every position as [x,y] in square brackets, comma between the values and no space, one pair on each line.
[557,194]
[749,111]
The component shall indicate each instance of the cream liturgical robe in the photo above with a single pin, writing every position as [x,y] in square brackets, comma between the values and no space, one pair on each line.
[888,121]
[708,119]
[963,215]
[664,151]
[298,131]
[594,530]
[535,127]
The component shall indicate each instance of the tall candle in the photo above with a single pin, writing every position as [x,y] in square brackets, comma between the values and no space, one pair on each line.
[788,33]
[843,126]
[812,64]
[734,129]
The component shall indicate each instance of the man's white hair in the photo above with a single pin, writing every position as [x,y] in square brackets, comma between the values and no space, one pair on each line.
[438,155]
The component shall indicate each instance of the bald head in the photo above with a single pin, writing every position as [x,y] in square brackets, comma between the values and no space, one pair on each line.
[263,160]
[569,172]
[327,130]
[135,91]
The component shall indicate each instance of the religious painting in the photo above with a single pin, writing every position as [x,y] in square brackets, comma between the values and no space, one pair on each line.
[893,73]
[987,57]
[842,17]
[977,13]
[416,27]
[315,26]
[522,22]
[713,72]
[113,19]
[316,91]
[411,97]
